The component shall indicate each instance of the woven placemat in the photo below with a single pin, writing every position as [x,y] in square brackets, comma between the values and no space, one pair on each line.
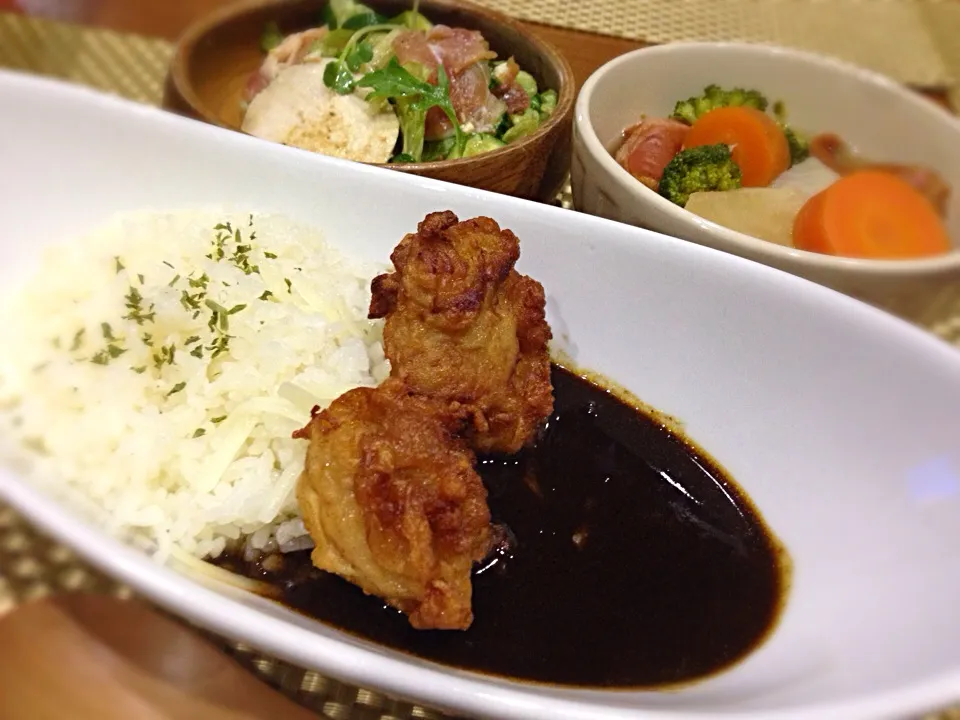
[890,36]
[32,566]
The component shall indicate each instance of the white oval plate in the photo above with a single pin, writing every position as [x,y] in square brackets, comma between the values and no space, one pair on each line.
[840,422]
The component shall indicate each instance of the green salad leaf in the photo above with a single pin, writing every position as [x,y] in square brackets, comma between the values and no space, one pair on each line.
[338,12]
[548,103]
[438,149]
[413,97]
[334,42]
[413,20]
[337,77]
[271,37]
[524,124]
[364,19]
[362,53]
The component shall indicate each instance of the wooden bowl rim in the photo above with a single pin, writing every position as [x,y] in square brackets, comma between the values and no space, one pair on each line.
[199,29]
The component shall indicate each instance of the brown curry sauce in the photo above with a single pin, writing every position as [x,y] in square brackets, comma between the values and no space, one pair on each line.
[630,561]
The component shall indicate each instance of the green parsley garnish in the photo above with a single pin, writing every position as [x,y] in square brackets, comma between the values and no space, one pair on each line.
[165,356]
[394,82]
[199,432]
[219,345]
[77,340]
[200,282]
[176,388]
[224,231]
[134,303]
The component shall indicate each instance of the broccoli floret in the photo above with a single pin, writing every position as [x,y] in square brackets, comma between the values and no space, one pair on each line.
[799,146]
[714,97]
[699,169]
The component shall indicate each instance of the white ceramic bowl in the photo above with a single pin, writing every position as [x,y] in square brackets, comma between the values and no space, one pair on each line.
[880,118]
[838,420]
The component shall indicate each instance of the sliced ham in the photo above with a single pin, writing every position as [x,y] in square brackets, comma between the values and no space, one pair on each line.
[833,152]
[437,126]
[649,146]
[293,50]
[412,47]
[514,97]
[470,93]
[478,110]
[458,48]
[464,55]
[507,89]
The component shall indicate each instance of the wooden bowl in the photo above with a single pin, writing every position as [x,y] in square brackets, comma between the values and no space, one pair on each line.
[215,56]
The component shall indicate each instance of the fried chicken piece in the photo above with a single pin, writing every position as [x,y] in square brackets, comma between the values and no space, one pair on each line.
[390,496]
[464,327]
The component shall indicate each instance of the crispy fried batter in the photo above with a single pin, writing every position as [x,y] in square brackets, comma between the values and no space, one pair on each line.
[393,503]
[464,327]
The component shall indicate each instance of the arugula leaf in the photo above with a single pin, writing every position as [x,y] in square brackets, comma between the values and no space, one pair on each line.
[271,37]
[362,53]
[338,78]
[397,83]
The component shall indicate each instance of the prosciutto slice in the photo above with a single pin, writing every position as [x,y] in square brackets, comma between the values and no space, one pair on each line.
[292,51]
[464,55]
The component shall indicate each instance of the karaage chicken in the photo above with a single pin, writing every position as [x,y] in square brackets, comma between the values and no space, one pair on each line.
[390,496]
[463,327]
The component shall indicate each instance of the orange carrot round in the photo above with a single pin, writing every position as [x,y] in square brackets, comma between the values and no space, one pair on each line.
[757,144]
[870,214]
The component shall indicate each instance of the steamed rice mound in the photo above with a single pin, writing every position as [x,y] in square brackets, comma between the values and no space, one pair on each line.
[160,365]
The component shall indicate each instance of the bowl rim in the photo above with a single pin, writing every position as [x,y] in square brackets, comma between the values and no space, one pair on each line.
[566,94]
[734,240]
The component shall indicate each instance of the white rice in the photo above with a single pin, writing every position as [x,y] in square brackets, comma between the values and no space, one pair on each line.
[198,451]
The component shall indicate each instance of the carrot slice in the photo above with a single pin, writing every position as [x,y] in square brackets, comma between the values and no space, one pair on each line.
[870,214]
[757,143]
